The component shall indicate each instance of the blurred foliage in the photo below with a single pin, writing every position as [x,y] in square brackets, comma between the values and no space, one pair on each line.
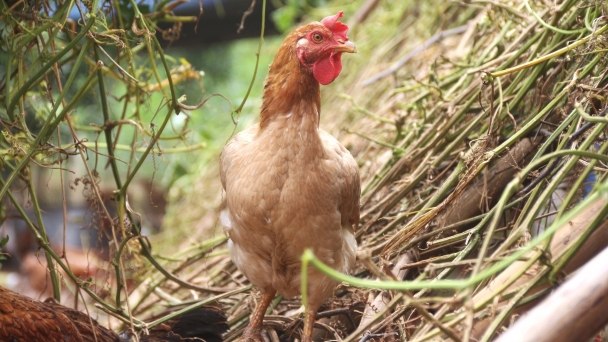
[287,13]
[228,68]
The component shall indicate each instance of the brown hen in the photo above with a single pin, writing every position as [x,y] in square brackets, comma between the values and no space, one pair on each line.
[23,319]
[290,185]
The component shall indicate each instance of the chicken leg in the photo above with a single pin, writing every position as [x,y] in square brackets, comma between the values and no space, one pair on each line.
[253,332]
[309,322]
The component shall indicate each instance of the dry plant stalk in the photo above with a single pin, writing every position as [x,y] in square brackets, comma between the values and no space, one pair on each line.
[469,151]
[464,165]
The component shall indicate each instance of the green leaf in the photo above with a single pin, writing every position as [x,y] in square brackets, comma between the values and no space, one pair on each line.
[3,243]
[285,17]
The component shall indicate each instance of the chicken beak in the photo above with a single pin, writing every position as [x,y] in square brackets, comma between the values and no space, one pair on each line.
[346,47]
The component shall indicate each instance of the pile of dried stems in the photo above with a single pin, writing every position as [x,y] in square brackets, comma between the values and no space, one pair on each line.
[482,153]
[480,131]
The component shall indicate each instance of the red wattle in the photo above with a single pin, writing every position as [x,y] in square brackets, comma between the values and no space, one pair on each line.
[326,70]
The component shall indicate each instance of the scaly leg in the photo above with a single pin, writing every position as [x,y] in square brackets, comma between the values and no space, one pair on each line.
[253,332]
[309,322]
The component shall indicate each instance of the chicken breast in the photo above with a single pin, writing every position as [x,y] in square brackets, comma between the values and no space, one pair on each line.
[288,190]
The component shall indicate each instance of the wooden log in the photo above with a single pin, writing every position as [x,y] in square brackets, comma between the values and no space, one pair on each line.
[562,240]
[576,311]
[488,186]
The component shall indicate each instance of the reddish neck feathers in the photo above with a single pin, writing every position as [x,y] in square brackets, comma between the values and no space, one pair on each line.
[289,87]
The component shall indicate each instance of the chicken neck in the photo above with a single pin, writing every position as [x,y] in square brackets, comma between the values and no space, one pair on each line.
[290,88]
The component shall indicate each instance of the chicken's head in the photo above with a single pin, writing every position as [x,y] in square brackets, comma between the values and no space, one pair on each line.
[321,46]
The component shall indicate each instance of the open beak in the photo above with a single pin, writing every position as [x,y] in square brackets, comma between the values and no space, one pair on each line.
[346,47]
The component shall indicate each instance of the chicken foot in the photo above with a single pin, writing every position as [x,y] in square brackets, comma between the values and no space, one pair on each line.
[253,332]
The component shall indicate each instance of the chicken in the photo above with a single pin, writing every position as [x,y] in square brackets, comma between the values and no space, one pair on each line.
[288,184]
[23,319]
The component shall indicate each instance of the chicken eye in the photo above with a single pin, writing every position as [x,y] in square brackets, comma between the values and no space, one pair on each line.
[317,37]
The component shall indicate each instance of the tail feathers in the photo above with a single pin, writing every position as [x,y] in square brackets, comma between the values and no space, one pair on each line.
[202,324]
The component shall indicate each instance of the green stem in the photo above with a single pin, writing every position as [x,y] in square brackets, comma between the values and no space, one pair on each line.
[45,239]
[536,119]
[551,55]
[7,81]
[309,258]
[552,28]
[122,147]
[257,59]
[587,117]
[48,65]
[54,255]
[59,18]
[174,102]
[106,118]
[48,127]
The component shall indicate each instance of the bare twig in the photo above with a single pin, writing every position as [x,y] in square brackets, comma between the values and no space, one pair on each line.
[368,337]
[247,13]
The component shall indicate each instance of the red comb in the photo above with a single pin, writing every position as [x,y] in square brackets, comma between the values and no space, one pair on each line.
[336,26]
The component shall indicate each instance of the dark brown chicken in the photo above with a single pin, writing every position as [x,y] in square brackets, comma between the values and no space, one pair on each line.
[23,319]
